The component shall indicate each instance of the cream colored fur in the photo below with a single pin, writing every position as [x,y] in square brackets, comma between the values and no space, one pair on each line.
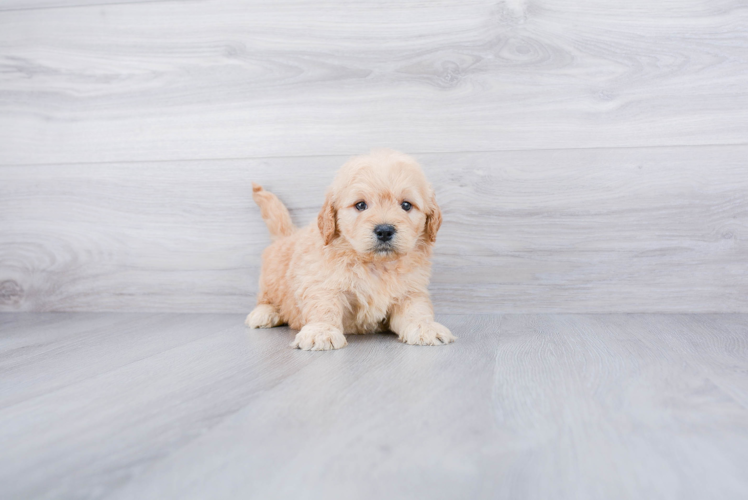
[329,278]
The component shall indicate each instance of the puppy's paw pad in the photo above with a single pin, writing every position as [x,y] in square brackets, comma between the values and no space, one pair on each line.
[263,316]
[319,337]
[431,333]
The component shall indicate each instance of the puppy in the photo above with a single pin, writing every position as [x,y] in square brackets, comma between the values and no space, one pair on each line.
[363,266]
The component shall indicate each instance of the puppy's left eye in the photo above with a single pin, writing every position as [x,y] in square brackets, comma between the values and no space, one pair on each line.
[361,205]
[406,206]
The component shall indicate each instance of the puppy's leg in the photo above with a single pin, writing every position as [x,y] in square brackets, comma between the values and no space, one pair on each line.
[263,316]
[413,322]
[323,325]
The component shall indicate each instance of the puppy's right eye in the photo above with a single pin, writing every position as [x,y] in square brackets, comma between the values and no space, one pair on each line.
[361,206]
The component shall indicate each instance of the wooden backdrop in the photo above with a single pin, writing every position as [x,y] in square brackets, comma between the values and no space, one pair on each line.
[588,155]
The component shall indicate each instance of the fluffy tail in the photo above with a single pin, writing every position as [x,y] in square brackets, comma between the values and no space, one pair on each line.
[274,212]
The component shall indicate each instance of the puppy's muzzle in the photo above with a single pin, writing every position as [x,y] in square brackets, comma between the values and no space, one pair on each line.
[385,232]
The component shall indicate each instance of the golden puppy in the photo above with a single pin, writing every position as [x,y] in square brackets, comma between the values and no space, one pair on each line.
[363,267]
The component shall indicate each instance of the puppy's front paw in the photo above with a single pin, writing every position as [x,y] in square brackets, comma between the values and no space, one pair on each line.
[319,337]
[427,333]
[263,316]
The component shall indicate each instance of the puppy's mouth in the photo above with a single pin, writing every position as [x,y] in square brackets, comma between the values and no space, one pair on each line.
[384,248]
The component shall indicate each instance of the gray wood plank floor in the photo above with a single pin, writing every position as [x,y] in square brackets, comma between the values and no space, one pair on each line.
[104,405]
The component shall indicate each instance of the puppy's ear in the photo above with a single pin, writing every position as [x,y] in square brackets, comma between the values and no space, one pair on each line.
[433,219]
[326,220]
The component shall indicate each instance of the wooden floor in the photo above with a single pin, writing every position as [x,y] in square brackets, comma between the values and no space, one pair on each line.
[153,406]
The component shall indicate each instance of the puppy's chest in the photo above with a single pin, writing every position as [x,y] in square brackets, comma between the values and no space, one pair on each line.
[370,297]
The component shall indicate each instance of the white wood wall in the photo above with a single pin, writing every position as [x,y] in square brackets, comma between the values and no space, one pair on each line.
[588,155]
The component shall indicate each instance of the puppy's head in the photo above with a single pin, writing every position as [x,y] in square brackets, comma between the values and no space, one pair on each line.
[382,205]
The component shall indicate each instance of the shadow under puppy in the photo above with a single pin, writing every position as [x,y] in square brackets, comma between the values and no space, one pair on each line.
[363,267]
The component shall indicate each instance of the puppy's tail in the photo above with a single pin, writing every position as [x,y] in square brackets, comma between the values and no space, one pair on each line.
[274,212]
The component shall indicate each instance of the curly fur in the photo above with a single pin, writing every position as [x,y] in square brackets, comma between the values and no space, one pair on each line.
[333,277]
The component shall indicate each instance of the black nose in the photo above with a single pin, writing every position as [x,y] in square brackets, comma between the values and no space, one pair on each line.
[384,232]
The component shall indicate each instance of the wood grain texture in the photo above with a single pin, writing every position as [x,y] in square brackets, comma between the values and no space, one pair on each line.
[521,407]
[8,5]
[653,229]
[232,79]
